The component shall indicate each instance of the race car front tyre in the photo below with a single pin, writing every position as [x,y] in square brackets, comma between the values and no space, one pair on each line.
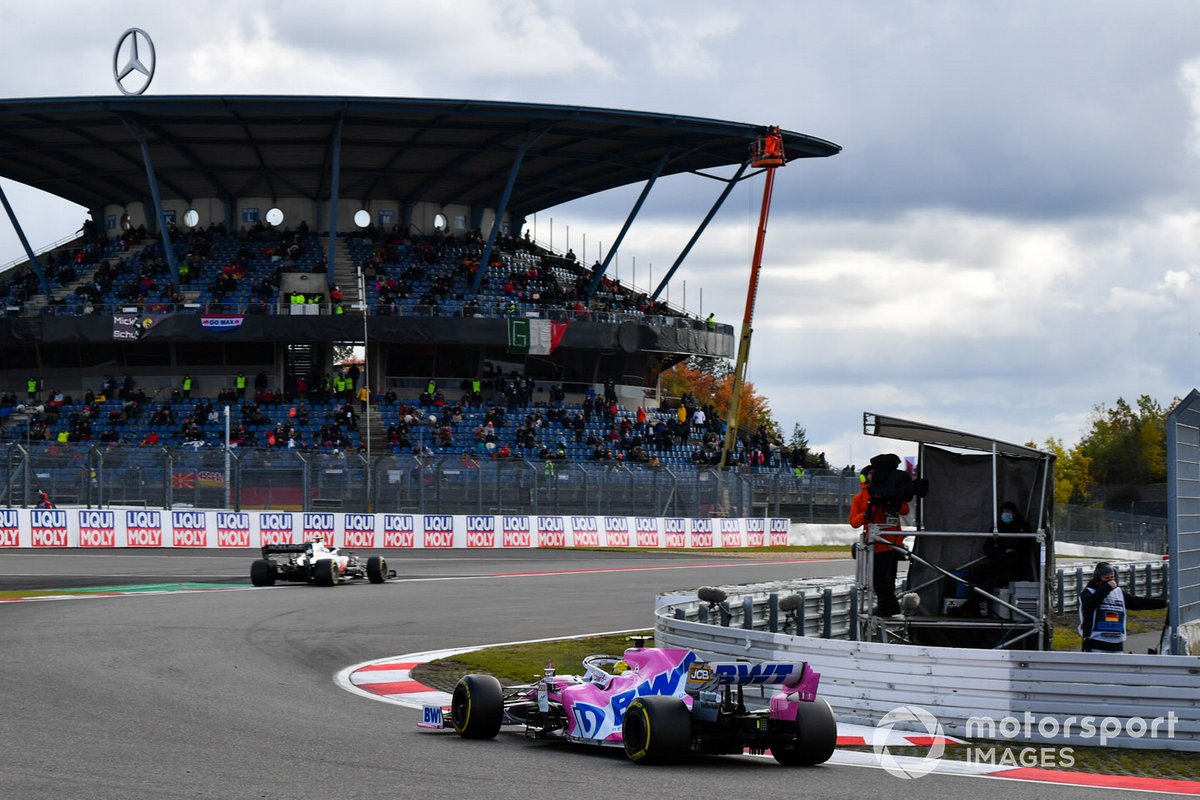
[477,707]
[377,571]
[325,572]
[814,740]
[657,729]
[261,573]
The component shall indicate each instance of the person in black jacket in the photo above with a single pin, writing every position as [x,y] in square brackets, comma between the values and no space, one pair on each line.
[1102,611]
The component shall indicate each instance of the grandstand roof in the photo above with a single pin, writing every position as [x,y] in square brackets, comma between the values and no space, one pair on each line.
[410,149]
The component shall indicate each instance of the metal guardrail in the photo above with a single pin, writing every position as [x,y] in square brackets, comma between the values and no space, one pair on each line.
[963,688]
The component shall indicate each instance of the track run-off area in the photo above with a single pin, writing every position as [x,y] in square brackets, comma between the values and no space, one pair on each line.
[187,688]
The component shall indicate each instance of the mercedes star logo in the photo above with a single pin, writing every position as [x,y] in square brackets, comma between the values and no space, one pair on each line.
[133,62]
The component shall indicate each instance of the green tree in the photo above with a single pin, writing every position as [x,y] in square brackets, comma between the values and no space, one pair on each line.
[1071,473]
[1125,446]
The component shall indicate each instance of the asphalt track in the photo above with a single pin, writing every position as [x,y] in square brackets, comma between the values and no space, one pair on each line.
[230,694]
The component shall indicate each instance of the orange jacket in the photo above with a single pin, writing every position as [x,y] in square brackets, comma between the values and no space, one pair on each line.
[858,514]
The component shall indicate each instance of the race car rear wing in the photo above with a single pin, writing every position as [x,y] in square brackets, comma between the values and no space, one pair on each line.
[269,549]
[792,676]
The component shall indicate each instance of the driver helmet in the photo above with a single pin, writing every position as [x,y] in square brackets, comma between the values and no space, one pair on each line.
[620,668]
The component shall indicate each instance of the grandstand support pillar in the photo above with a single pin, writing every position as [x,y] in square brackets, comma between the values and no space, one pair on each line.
[334,188]
[501,208]
[158,208]
[712,212]
[33,260]
[616,246]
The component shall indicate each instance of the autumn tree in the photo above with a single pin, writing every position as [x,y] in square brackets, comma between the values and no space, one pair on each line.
[709,383]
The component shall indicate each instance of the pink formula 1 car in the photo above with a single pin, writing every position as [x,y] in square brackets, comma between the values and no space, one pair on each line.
[657,703]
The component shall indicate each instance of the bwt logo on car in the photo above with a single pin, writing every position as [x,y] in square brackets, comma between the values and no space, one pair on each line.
[515,531]
[552,532]
[10,533]
[48,527]
[233,529]
[143,528]
[647,531]
[189,529]
[439,530]
[585,531]
[398,530]
[616,531]
[97,528]
[275,528]
[481,531]
[319,526]
[358,530]
[753,673]
[599,722]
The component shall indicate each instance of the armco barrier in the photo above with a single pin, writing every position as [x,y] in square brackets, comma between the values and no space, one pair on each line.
[140,527]
[1027,696]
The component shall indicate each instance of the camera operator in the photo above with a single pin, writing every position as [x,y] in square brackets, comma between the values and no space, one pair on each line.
[865,513]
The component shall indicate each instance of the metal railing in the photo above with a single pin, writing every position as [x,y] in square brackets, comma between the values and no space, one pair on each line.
[123,474]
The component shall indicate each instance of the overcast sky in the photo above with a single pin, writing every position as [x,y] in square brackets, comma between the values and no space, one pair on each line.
[1009,237]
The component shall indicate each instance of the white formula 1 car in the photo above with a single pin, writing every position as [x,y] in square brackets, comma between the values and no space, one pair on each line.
[315,562]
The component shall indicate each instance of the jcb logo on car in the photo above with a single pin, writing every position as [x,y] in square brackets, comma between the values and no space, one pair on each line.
[480,538]
[359,538]
[676,539]
[514,538]
[439,522]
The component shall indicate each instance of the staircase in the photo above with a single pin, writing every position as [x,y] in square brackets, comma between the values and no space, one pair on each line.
[346,277]
[375,431]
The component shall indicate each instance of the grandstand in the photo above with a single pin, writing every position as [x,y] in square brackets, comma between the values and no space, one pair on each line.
[262,236]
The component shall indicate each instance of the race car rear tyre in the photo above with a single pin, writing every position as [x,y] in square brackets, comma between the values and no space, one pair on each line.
[325,572]
[657,729]
[377,571]
[477,707]
[261,573]
[814,740]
